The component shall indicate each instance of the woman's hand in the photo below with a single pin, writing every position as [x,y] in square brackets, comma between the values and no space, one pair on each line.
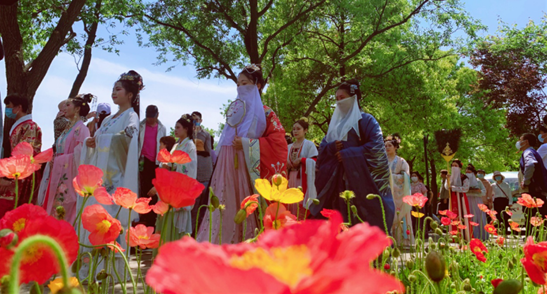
[339,156]
[296,163]
[90,142]
[152,192]
[339,145]
[237,143]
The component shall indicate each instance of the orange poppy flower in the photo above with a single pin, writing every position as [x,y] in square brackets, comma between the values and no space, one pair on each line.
[178,157]
[303,258]
[456,223]
[462,227]
[478,249]
[176,189]
[536,221]
[17,167]
[443,212]
[160,207]
[103,227]
[529,202]
[500,240]
[250,204]
[89,179]
[24,148]
[128,199]
[482,207]
[284,217]
[535,260]
[514,226]
[416,200]
[102,196]
[39,262]
[491,229]
[143,237]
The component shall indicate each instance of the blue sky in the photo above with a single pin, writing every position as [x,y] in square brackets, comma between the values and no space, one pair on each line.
[178,91]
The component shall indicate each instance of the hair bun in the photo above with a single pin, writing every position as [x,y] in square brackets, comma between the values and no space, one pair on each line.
[133,77]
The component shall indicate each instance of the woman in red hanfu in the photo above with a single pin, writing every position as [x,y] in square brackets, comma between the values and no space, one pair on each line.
[260,149]
[459,185]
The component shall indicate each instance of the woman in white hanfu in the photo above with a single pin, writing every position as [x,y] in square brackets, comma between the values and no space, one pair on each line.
[183,216]
[400,187]
[114,149]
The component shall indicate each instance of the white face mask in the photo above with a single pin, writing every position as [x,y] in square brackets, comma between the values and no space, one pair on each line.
[518,145]
[469,174]
[345,105]
[455,170]
[414,179]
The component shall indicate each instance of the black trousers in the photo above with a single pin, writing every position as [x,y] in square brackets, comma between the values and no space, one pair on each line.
[499,207]
[145,178]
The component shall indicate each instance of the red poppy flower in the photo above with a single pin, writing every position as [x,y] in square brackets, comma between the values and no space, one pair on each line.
[250,204]
[176,189]
[478,249]
[496,282]
[482,207]
[529,202]
[88,180]
[500,240]
[310,257]
[473,224]
[178,156]
[535,261]
[284,217]
[491,229]
[17,219]
[445,221]
[24,148]
[514,226]
[443,212]
[143,237]
[451,214]
[417,200]
[328,213]
[17,167]
[128,199]
[468,216]
[462,227]
[39,262]
[536,221]
[160,207]
[103,227]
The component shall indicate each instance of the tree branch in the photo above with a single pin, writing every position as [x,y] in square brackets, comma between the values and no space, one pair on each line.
[268,5]
[228,18]
[319,96]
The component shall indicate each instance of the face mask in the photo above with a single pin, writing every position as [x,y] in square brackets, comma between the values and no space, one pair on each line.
[455,170]
[469,174]
[10,114]
[414,179]
[518,145]
[480,176]
[497,178]
[540,138]
[197,124]
[345,104]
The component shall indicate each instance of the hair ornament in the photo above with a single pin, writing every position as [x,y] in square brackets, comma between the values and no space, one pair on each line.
[186,117]
[133,78]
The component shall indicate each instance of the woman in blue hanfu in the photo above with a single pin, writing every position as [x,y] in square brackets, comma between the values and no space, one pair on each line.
[353,157]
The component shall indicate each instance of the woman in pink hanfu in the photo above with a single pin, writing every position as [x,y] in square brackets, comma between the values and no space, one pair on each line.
[261,151]
[60,191]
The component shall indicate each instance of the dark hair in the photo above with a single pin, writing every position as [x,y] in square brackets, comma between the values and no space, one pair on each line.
[481,171]
[82,101]
[444,171]
[303,122]
[102,116]
[394,139]
[472,168]
[254,73]
[132,83]
[352,88]
[531,138]
[186,122]
[168,141]
[17,100]
[197,113]
[459,162]
[417,174]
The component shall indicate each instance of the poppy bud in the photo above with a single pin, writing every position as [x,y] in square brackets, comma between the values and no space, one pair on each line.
[508,287]
[412,278]
[435,266]
[510,264]
[438,231]
[300,188]
[4,284]
[434,225]
[396,253]
[102,275]
[466,286]
[409,264]
[8,238]
[211,207]
[214,201]
[386,253]
[60,210]
[371,196]
[316,201]
[354,209]
[74,268]
[240,216]
[277,180]
[347,195]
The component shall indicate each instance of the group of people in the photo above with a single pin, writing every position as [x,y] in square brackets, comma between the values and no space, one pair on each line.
[354,155]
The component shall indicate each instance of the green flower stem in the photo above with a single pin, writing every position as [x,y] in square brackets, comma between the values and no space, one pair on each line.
[118,213]
[372,196]
[220,229]
[37,288]
[297,211]
[16,192]
[164,224]
[80,212]
[127,248]
[210,224]
[349,211]
[32,191]
[116,272]
[244,230]
[197,218]
[23,247]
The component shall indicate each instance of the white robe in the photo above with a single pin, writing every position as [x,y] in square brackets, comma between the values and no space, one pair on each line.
[116,154]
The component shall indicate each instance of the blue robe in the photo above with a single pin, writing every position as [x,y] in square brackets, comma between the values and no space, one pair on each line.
[366,169]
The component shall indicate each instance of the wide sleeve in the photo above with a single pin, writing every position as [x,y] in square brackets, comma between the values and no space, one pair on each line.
[131,133]
[462,189]
[80,135]
[311,151]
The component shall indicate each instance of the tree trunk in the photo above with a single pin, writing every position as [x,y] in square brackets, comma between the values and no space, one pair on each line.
[251,36]
[434,187]
[91,36]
